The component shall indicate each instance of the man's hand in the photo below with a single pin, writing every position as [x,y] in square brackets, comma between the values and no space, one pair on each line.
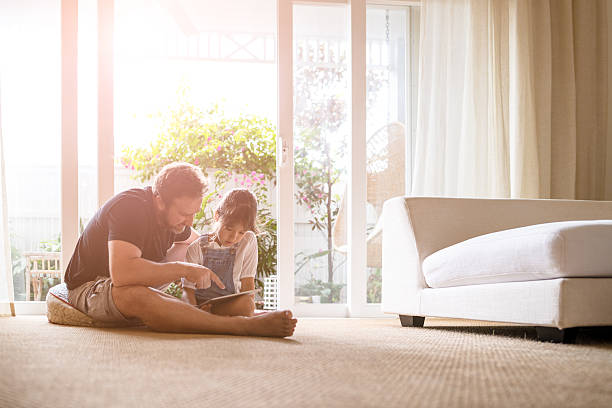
[199,275]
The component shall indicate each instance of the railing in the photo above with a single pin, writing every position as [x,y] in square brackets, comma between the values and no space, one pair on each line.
[256,47]
[41,265]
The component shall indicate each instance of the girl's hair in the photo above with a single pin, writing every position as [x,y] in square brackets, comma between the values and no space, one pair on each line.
[238,206]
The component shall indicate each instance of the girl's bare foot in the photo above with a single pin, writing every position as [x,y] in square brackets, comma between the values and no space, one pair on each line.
[272,324]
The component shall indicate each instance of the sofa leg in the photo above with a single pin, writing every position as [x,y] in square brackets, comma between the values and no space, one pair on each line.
[554,335]
[412,321]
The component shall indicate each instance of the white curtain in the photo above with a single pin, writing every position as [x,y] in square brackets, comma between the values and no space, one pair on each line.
[512,99]
[6,275]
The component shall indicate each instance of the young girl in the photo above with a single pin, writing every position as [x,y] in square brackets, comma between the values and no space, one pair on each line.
[230,251]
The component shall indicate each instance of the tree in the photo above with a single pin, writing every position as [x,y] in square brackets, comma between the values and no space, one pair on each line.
[320,112]
[315,177]
[321,134]
[240,149]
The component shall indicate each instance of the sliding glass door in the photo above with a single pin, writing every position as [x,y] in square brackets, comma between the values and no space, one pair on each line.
[313,112]
[196,82]
[392,72]
[321,130]
[346,98]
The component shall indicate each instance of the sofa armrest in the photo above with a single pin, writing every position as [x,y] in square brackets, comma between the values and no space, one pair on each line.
[401,268]
[416,227]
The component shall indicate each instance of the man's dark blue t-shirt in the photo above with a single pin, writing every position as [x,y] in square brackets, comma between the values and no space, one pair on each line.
[128,216]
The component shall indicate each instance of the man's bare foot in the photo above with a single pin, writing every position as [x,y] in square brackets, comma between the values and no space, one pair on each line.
[272,324]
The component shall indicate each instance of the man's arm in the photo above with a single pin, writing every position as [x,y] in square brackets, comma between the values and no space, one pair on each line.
[179,249]
[127,267]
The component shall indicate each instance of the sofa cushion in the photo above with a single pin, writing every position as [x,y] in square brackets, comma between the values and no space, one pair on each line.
[542,251]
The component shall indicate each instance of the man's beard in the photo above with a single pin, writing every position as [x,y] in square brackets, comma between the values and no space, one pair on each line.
[176,229]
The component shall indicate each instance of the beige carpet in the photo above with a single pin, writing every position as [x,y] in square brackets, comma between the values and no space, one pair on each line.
[328,363]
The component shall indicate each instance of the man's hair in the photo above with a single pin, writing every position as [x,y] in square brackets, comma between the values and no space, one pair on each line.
[176,180]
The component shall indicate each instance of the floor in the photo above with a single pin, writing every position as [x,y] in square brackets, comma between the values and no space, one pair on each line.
[327,363]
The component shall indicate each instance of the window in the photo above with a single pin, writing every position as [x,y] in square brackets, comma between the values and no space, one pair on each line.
[321,132]
[332,274]
[30,73]
[196,82]
[199,82]
[391,46]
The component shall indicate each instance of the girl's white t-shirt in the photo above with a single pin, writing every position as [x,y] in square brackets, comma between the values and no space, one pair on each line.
[245,263]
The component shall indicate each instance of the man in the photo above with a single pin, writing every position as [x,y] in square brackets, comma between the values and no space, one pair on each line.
[124,253]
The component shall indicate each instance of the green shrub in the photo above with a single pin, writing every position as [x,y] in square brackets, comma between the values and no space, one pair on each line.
[239,149]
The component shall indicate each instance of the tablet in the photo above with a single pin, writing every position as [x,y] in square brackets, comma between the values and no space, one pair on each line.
[225,298]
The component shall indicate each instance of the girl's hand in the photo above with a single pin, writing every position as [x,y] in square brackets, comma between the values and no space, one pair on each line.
[206,308]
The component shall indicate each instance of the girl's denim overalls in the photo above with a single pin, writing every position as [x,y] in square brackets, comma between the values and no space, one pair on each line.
[221,262]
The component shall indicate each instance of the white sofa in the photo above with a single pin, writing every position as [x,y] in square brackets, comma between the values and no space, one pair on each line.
[556,302]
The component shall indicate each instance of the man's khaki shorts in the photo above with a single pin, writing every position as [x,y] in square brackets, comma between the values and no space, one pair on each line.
[95,299]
